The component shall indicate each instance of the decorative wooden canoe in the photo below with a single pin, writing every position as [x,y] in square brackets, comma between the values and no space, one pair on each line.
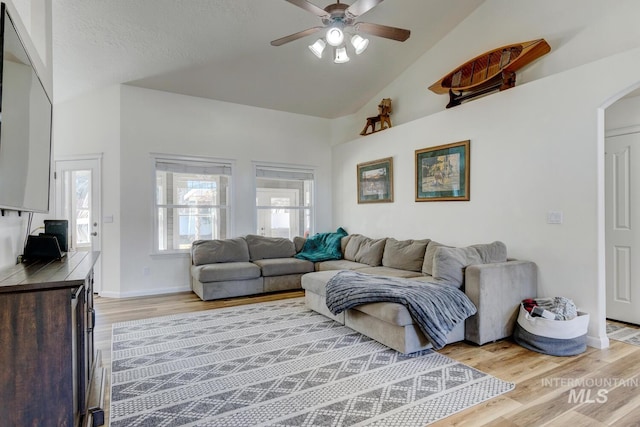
[493,70]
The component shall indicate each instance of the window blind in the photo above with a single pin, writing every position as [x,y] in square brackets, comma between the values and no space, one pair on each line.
[274,173]
[195,167]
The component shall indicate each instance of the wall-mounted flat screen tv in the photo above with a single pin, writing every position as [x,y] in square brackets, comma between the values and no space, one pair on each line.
[25,127]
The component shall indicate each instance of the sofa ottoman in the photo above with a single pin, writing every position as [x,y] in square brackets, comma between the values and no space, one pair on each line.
[315,294]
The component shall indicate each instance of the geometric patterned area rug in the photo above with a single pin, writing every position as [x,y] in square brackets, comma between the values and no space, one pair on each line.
[279,364]
[622,333]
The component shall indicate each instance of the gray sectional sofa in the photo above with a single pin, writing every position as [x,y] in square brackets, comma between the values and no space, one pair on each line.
[245,266]
[256,264]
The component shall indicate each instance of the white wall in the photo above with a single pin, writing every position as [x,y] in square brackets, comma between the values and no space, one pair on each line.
[90,125]
[578,31]
[623,114]
[534,148]
[160,122]
[13,229]
[125,124]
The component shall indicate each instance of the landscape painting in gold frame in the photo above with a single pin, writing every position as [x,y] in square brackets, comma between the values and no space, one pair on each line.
[442,173]
[375,181]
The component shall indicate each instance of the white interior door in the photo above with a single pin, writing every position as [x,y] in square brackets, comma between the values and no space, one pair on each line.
[622,216]
[78,195]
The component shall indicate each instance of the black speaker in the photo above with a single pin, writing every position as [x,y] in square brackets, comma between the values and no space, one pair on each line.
[42,247]
[60,229]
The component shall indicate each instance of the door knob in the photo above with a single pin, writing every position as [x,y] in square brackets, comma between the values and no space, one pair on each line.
[95,233]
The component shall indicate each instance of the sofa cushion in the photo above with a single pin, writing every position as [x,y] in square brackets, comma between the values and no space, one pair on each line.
[423,278]
[389,272]
[352,246]
[222,272]
[427,266]
[404,254]
[323,246]
[390,312]
[317,282]
[298,242]
[223,250]
[339,264]
[262,247]
[449,264]
[370,252]
[343,243]
[283,266]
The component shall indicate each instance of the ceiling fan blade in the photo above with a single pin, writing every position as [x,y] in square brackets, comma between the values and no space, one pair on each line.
[360,7]
[310,7]
[295,36]
[393,33]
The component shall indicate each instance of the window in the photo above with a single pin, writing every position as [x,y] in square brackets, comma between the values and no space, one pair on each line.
[77,189]
[192,202]
[284,201]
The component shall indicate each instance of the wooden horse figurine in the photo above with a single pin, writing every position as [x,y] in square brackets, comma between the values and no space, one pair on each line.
[384,110]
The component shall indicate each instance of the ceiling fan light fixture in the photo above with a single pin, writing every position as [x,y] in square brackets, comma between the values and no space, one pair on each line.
[318,47]
[359,43]
[341,55]
[339,22]
[335,36]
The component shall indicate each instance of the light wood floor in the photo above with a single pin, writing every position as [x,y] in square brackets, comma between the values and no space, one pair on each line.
[609,395]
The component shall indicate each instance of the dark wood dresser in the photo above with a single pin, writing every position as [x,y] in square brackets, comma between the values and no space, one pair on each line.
[50,373]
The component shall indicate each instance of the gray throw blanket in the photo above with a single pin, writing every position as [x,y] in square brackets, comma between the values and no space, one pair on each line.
[435,308]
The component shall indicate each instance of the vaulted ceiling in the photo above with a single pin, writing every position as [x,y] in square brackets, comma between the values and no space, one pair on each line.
[220,49]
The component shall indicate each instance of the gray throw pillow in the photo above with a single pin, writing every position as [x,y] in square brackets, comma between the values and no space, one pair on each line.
[427,267]
[298,242]
[492,252]
[449,264]
[261,247]
[344,242]
[353,244]
[223,250]
[404,254]
[370,252]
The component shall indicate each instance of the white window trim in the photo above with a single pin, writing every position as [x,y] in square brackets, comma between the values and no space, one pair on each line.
[302,168]
[153,158]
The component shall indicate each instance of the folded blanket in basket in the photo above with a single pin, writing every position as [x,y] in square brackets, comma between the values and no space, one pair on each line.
[435,308]
[562,307]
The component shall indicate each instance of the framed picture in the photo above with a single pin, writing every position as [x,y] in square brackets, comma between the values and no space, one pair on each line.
[375,181]
[442,173]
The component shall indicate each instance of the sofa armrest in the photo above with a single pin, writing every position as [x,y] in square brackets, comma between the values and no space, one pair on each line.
[497,290]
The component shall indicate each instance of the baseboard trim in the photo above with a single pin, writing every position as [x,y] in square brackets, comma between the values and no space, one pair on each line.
[598,342]
[146,292]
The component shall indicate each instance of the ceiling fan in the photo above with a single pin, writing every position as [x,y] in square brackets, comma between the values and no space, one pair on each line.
[339,17]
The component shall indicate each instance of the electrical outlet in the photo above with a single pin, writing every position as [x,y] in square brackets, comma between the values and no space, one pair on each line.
[554,217]
[146,271]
